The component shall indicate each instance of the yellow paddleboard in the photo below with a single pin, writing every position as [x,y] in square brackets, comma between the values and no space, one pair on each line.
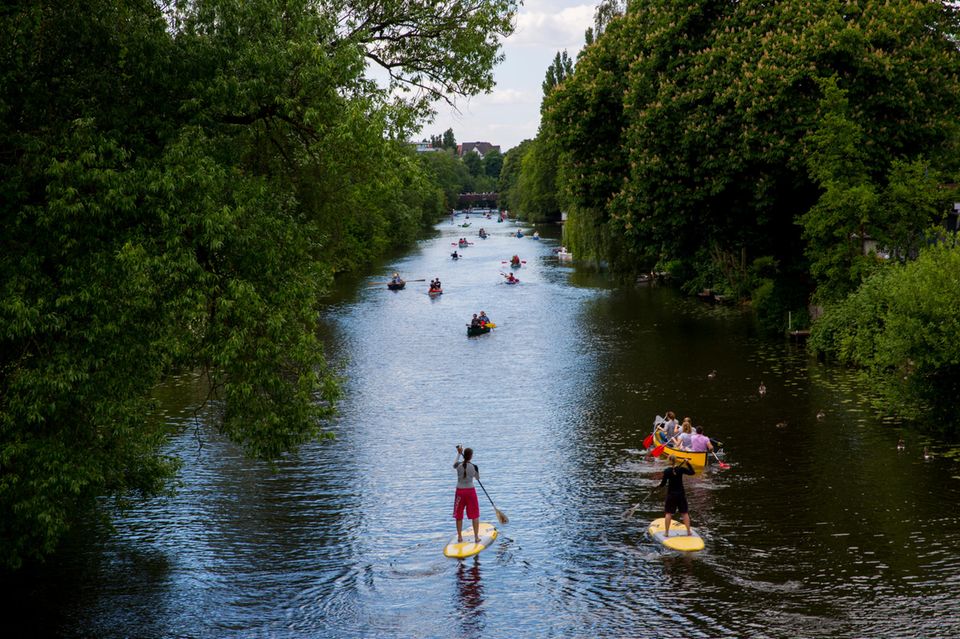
[678,539]
[467,548]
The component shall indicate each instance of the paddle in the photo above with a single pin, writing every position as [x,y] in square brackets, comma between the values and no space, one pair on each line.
[628,513]
[509,262]
[501,517]
[647,441]
[720,463]
[656,452]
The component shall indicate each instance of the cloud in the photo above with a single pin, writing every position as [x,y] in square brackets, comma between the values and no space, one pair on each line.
[540,24]
[507,97]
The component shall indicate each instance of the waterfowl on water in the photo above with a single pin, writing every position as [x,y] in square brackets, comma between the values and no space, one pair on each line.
[821,415]
[762,390]
[926,454]
[782,423]
[900,444]
[712,375]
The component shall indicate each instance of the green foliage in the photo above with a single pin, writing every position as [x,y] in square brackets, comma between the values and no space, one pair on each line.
[448,173]
[178,190]
[473,162]
[537,183]
[559,70]
[493,164]
[901,327]
[510,175]
[449,141]
[687,125]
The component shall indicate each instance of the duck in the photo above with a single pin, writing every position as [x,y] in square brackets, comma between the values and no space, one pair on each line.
[821,415]
[712,374]
[900,444]
[782,423]
[927,456]
[762,390]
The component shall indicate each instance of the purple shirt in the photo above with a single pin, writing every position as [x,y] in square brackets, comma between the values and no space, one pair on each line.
[699,443]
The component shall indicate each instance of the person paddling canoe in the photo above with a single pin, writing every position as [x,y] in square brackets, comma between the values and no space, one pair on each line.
[676,500]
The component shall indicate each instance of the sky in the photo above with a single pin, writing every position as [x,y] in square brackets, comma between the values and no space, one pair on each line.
[511,112]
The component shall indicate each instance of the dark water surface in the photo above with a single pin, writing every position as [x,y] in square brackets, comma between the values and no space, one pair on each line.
[820,528]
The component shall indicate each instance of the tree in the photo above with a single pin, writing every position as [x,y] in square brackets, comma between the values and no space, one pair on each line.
[557,72]
[449,141]
[684,124]
[448,173]
[492,164]
[180,203]
[510,175]
[473,162]
[900,327]
[837,228]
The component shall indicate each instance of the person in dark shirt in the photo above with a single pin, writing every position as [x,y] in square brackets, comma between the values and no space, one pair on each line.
[676,497]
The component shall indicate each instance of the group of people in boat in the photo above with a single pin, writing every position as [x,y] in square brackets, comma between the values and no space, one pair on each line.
[682,436]
[435,285]
[479,321]
[483,233]
[396,280]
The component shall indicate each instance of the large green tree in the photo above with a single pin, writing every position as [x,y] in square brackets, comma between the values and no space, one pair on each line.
[685,129]
[180,182]
[900,327]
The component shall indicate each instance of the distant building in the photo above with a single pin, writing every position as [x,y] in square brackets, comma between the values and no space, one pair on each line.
[423,147]
[482,148]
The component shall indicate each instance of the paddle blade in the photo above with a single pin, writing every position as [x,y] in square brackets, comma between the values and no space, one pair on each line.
[502,518]
[648,440]
[628,513]
[491,325]
[656,452]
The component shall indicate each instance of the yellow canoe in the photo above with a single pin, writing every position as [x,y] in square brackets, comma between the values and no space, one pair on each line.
[697,460]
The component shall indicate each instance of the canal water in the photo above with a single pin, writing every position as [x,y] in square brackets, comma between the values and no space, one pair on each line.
[820,527]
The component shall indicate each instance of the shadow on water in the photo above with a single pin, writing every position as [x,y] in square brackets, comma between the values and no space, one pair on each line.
[813,530]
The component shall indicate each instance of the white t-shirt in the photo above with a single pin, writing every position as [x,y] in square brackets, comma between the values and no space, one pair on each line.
[465,479]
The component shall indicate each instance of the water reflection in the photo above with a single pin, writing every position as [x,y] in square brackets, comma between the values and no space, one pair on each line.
[470,598]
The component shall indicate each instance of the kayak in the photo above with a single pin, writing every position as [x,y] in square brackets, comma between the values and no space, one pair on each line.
[396,287]
[512,281]
[435,292]
[473,331]
[515,264]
